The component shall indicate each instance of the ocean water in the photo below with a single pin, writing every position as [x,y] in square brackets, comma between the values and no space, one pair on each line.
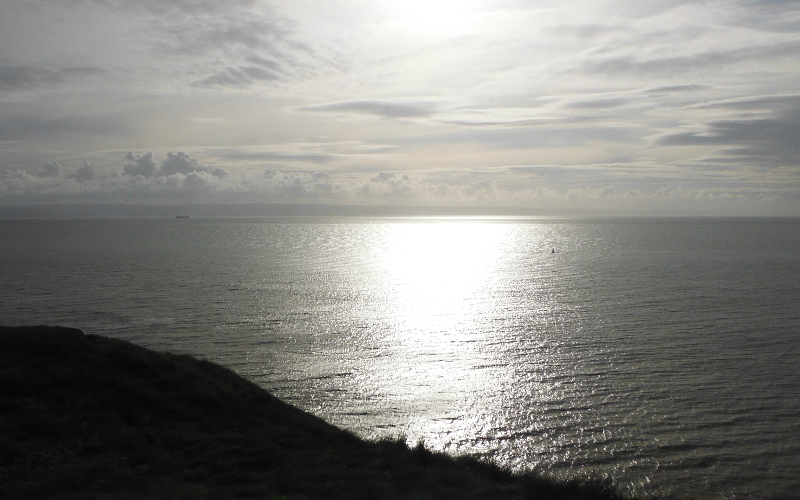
[662,352]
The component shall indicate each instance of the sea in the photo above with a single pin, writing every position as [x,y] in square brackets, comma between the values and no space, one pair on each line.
[663,353]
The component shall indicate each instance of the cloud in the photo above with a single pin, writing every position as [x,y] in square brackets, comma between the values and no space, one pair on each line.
[768,142]
[602,103]
[18,78]
[383,108]
[193,182]
[386,177]
[775,103]
[144,165]
[241,76]
[180,163]
[525,136]
[236,47]
[544,171]
[231,31]
[700,62]
[51,169]
[37,125]
[179,177]
[318,157]
[172,6]
[779,16]
[670,89]
[585,96]
[590,31]
[592,193]
[332,155]
[174,164]
[84,173]
[200,43]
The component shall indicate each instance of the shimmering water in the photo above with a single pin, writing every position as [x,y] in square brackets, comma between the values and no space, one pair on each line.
[665,353]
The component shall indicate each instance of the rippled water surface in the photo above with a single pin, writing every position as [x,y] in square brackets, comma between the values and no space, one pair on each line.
[665,353]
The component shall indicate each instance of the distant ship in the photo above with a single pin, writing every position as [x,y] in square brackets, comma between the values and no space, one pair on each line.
[181,216]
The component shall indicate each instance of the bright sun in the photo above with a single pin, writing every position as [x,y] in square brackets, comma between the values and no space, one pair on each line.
[433,17]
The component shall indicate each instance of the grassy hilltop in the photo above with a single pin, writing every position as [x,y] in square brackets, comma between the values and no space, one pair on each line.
[84,416]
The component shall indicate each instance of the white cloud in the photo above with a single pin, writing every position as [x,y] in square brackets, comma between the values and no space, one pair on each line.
[174,164]
[181,163]
[144,166]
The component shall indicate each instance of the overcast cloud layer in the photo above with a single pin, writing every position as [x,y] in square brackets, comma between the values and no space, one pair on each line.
[669,106]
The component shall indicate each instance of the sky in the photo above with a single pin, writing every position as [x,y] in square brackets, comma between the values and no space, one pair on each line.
[657,107]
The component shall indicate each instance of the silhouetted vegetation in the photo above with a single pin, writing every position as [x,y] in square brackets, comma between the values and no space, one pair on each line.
[84,416]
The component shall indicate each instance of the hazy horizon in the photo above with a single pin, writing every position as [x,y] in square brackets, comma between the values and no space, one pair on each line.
[281,210]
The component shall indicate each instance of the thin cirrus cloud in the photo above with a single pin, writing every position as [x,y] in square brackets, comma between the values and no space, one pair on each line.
[618,104]
[386,109]
[19,127]
[16,78]
[237,49]
[317,157]
[170,6]
[702,61]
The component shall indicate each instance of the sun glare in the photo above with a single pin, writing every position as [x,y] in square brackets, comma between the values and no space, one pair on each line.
[431,17]
[438,269]
[440,278]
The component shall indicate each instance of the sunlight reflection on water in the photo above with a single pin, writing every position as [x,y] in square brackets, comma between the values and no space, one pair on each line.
[440,280]
[441,269]
[443,362]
